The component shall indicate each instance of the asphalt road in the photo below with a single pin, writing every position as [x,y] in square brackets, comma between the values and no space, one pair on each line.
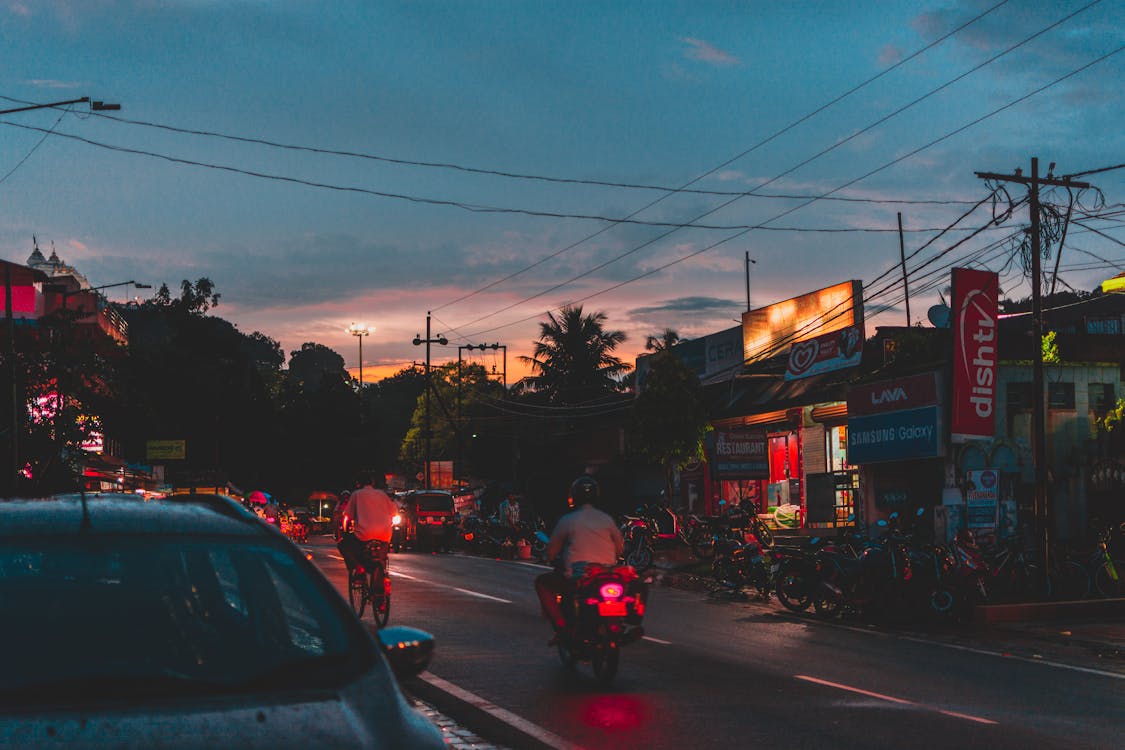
[717,673]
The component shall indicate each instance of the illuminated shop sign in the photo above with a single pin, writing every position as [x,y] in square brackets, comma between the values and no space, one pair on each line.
[895,420]
[895,436]
[832,351]
[773,329]
[974,354]
[738,454]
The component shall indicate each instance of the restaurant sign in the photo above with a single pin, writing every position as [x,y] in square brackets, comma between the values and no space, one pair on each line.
[738,454]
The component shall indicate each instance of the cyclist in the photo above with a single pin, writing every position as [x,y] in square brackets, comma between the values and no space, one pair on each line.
[372,511]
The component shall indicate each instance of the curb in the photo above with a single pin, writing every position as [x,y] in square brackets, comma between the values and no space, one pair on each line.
[481,717]
[992,614]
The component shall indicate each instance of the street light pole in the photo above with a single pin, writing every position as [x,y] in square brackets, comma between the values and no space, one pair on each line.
[359,330]
[426,430]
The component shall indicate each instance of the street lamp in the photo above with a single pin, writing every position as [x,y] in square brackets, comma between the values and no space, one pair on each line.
[359,330]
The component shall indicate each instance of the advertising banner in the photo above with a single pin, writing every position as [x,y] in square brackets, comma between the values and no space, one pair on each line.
[738,454]
[974,354]
[893,395]
[770,330]
[982,497]
[831,351]
[895,436]
[165,450]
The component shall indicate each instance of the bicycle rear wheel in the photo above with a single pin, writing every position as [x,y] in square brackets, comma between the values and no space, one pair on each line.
[357,591]
[380,587]
[1109,578]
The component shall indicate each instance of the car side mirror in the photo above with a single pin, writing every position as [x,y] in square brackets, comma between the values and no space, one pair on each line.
[408,650]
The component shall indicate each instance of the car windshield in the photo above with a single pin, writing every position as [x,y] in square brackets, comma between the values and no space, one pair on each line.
[126,616]
[434,503]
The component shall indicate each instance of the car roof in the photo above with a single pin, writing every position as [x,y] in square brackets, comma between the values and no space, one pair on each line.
[128,514]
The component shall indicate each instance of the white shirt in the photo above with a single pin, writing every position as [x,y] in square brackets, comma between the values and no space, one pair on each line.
[586,535]
[372,511]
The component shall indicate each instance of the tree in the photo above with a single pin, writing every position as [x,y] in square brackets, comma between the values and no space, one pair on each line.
[312,362]
[664,342]
[669,420]
[453,411]
[573,360]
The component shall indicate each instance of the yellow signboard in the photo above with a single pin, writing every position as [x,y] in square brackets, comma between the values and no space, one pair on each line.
[165,450]
[770,330]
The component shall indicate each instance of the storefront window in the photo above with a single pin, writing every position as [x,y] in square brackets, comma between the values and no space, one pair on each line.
[837,448]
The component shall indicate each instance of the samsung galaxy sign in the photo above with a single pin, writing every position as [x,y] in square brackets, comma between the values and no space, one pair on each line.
[974,354]
[895,420]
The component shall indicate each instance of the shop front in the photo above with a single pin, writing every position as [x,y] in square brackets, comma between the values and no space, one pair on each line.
[895,435]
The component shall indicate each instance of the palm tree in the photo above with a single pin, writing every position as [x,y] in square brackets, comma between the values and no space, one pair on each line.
[573,359]
[664,342]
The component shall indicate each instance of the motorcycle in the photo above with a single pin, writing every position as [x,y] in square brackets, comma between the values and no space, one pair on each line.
[740,562]
[638,533]
[602,614]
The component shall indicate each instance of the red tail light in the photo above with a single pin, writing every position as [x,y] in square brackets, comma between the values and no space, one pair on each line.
[612,590]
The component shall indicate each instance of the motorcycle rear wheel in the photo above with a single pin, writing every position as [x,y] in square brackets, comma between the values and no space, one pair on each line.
[793,591]
[639,557]
[604,662]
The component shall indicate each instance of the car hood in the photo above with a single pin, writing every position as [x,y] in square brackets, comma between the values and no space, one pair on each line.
[305,720]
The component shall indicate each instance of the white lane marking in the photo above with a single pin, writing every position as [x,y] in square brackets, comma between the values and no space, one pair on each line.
[891,698]
[534,565]
[550,739]
[953,646]
[1025,659]
[454,588]
[337,557]
[482,596]
[655,640]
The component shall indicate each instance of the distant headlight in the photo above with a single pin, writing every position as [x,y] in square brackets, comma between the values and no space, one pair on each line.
[396,519]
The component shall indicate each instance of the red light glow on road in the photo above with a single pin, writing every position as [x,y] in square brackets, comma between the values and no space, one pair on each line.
[615,713]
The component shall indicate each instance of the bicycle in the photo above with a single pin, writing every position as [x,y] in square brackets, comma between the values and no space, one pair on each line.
[368,583]
[1107,572]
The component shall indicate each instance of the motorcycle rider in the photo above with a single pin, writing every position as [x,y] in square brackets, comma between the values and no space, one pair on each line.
[583,536]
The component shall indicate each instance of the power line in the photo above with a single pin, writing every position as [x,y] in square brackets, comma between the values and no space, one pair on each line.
[812,158]
[35,148]
[881,168]
[753,148]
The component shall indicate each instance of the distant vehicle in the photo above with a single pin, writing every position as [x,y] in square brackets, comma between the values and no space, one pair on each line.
[185,622]
[430,519]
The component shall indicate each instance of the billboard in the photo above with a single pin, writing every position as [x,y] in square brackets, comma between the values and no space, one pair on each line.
[772,329]
[706,355]
[974,354]
[832,351]
[165,450]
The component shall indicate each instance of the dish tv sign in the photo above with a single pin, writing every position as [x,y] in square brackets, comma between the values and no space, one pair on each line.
[773,329]
[974,354]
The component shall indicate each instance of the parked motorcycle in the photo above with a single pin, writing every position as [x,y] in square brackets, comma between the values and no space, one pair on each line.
[603,614]
[638,533]
[740,562]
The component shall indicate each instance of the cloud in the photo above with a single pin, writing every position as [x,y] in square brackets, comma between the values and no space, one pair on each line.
[47,83]
[690,305]
[704,51]
[889,55]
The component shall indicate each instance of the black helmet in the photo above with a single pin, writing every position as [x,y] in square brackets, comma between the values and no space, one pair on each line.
[584,490]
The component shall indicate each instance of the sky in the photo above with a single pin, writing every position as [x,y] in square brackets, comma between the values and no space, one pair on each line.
[489,162]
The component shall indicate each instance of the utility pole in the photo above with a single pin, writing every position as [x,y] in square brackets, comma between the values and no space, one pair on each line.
[902,256]
[749,260]
[426,432]
[1038,414]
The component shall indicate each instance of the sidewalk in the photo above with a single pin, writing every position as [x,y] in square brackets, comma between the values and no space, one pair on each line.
[1097,625]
